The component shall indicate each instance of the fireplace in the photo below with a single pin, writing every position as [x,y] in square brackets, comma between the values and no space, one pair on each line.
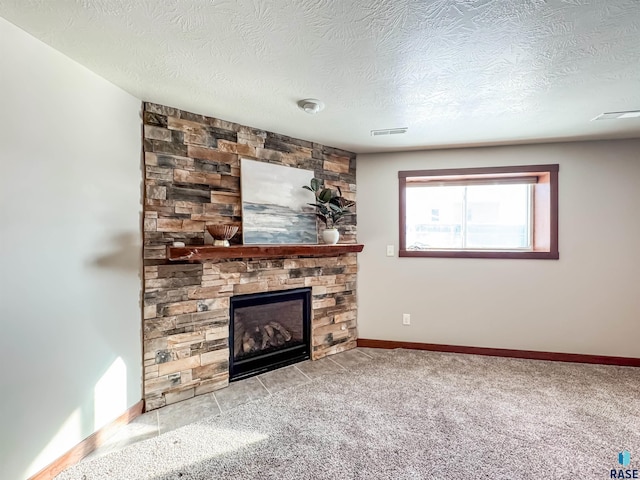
[268,330]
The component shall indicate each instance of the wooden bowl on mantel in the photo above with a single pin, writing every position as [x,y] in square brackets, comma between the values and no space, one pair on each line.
[222,234]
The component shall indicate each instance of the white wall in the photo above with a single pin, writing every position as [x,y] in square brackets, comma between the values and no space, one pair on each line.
[70,204]
[587,302]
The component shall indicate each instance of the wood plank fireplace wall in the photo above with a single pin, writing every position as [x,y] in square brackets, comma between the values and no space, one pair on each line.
[192,179]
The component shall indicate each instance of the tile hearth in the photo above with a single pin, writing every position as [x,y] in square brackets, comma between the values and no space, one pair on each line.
[165,419]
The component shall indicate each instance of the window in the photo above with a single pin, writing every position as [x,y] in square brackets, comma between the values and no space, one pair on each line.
[496,212]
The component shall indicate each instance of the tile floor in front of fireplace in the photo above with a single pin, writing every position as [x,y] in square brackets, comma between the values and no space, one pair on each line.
[159,421]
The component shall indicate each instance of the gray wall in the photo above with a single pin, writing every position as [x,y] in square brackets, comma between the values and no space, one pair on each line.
[587,302]
[70,253]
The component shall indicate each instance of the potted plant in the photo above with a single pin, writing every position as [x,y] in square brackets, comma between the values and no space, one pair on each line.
[331,208]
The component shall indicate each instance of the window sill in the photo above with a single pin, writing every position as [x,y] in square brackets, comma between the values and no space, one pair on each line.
[479,254]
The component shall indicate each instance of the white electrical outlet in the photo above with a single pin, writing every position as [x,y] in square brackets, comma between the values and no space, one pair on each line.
[390,252]
[406,319]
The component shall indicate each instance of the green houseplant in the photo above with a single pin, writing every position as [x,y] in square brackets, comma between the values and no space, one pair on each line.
[331,208]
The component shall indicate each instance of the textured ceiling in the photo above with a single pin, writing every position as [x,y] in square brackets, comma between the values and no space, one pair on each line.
[456,72]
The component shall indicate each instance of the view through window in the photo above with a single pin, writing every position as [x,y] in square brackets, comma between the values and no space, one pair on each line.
[469,217]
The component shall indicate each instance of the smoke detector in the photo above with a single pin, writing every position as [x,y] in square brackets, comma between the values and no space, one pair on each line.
[311,105]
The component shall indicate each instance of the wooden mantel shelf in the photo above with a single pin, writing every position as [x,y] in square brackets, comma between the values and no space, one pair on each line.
[199,253]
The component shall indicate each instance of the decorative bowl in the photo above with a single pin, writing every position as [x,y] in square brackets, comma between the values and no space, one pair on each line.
[222,234]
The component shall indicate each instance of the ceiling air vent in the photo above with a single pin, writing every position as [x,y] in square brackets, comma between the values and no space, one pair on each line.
[612,115]
[389,131]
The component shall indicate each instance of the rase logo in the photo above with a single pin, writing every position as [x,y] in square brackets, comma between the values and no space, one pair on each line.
[624,459]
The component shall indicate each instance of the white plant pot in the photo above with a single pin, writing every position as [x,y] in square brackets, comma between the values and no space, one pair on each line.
[330,236]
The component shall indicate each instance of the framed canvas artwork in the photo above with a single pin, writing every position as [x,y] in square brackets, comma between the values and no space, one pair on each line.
[275,207]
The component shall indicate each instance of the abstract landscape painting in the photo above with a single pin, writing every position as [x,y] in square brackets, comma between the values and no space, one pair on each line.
[275,207]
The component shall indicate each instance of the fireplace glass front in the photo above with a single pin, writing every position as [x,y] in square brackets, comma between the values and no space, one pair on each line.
[268,331]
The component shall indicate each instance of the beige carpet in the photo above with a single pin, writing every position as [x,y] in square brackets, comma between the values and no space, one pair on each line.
[409,415]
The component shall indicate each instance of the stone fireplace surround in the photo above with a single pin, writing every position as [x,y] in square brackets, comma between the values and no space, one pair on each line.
[192,180]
